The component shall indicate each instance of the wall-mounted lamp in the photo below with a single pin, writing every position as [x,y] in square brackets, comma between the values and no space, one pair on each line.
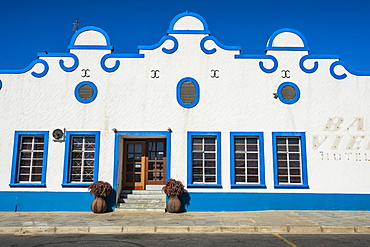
[275,95]
[169,129]
[114,130]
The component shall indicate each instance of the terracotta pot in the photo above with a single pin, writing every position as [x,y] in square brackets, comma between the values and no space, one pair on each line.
[98,205]
[174,205]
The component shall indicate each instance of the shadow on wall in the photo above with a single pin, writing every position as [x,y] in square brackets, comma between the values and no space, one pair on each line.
[111,201]
[185,201]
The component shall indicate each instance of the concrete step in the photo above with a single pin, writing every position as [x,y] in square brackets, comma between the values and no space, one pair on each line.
[140,209]
[147,197]
[141,200]
[141,205]
[144,201]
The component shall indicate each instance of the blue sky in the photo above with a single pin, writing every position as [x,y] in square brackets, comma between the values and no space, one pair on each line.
[330,27]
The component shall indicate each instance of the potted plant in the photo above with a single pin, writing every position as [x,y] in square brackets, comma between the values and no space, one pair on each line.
[173,189]
[99,189]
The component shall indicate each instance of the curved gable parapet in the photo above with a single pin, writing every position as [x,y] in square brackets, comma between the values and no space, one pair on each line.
[90,38]
[344,75]
[160,43]
[117,62]
[263,57]
[29,67]
[316,63]
[287,39]
[61,61]
[213,50]
[188,23]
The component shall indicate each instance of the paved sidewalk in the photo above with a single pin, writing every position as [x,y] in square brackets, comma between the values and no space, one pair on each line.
[190,222]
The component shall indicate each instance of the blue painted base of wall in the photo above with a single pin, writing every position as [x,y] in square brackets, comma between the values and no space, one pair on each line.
[273,201]
[81,201]
[49,201]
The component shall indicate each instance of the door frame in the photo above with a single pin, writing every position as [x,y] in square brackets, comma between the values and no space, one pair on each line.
[120,136]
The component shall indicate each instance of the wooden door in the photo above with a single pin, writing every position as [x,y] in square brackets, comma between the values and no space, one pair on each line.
[156,162]
[134,165]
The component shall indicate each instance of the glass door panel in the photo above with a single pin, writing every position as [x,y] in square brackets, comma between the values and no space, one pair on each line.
[156,162]
[134,161]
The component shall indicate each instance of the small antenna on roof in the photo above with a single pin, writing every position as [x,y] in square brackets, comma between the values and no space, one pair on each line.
[75,25]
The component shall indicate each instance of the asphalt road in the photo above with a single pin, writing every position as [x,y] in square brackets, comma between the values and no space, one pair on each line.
[179,240]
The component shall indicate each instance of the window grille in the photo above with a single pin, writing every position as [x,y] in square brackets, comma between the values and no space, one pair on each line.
[86,92]
[187,92]
[31,155]
[82,159]
[204,167]
[289,160]
[246,159]
[288,92]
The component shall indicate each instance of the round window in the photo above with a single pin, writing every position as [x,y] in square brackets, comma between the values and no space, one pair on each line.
[288,93]
[86,92]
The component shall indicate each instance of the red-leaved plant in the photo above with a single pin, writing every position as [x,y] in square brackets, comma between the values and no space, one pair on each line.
[100,188]
[173,187]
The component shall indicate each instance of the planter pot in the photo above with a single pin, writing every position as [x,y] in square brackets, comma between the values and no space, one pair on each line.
[98,205]
[174,205]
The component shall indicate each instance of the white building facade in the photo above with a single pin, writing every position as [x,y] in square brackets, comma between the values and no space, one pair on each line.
[278,131]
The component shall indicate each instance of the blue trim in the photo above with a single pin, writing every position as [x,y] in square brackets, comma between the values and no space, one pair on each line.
[28,201]
[262,183]
[14,182]
[236,201]
[270,46]
[262,67]
[204,186]
[116,175]
[179,16]
[159,43]
[316,64]
[92,98]
[344,75]
[302,136]
[67,156]
[1,84]
[190,183]
[213,50]
[117,63]
[280,96]
[197,92]
[61,61]
[29,67]
[108,46]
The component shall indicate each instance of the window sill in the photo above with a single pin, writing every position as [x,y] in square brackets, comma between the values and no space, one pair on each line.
[241,186]
[204,186]
[27,185]
[76,185]
[291,186]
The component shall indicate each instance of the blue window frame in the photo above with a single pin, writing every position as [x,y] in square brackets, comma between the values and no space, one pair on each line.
[187,92]
[290,159]
[86,92]
[247,160]
[204,159]
[288,93]
[30,152]
[81,160]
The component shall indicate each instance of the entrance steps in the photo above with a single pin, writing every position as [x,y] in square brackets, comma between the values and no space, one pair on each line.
[141,200]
